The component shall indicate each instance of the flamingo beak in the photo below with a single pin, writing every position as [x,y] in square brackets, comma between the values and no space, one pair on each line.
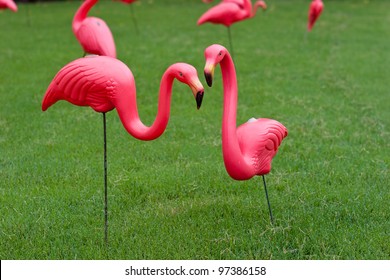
[209,73]
[199,98]
[198,91]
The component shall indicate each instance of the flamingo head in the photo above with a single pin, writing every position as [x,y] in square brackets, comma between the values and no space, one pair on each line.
[261,4]
[187,74]
[214,55]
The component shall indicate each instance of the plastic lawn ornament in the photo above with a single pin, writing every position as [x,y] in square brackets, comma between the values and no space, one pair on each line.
[105,83]
[92,33]
[8,4]
[249,149]
[230,11]
[315,10]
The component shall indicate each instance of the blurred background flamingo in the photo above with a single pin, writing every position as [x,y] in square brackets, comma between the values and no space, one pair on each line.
[249,149]
[105,83]
[315,10]
[231,11]
[92,33]
[8,4]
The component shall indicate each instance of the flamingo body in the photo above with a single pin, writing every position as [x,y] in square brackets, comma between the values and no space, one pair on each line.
[93,34]
[315,10]
[259,140]
[105,83]
[89,82]
[8,4]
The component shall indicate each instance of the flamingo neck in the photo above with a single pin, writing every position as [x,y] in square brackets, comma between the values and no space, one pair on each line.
[128,112]
[254,11]
[82,13]
[235,163]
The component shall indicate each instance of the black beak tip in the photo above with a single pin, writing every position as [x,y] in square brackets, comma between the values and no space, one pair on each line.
[209,78]
[199,98]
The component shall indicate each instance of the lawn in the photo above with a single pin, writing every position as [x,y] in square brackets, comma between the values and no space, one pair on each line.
[171,198]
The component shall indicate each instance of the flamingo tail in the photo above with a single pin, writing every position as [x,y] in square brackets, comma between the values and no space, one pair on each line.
[49,98]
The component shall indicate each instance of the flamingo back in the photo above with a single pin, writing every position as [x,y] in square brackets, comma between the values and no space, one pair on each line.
[259,142]
[95,37]
[240,3]
[90,81]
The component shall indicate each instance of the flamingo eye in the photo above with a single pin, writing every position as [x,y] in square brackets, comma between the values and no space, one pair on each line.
[220,53]
[180,74]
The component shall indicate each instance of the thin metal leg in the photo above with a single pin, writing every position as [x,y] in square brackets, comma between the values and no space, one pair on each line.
[269,204]
[134,19]
[105,182]
[230,42]
[28,15]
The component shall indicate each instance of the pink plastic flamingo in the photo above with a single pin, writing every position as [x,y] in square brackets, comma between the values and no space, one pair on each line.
[105,83]
[93,33]
[230,11]
[315,10]
[249,149]
[8,4]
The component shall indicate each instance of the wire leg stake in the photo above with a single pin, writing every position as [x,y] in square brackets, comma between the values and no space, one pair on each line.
[269,204]
[134,19]
[230,41]
[105,181]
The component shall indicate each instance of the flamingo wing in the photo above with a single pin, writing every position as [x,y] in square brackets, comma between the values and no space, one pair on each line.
[259,142]
[82,83]
[96,38]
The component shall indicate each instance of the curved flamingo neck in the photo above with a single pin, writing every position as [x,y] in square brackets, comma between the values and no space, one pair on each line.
[254,11]
[235,162]
[128,112]
[82,13]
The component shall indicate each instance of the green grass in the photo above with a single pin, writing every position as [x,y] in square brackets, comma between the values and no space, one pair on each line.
[172,198]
